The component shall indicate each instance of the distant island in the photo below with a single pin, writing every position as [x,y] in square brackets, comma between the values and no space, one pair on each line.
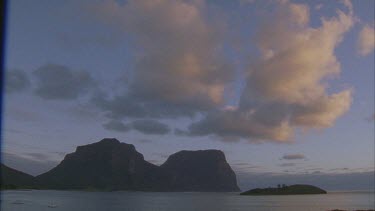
[286,190]
[110,165]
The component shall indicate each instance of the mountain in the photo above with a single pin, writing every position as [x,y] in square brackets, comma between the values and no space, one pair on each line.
[13,179]
[286,190]
[111,165]
[203,170]
[105,165]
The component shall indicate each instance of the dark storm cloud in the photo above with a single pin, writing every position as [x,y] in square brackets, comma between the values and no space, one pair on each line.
[59,82]
[143,126]
[293,157]
[16,81]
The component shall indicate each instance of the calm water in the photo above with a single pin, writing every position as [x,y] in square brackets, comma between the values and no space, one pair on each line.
[141,201]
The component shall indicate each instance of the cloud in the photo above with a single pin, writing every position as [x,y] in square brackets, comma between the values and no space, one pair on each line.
[32,163]
[324,111]
[180,69]
[150,127]
[145,141]
[161,155]
[127,106]
[115,125]
[143,126]
[241,166]
[234,124]
[155,162]
[339,169]
[16,81]
[287,87]
[37,156]
[287,164]
[293,157]
[366,40]
[59,82]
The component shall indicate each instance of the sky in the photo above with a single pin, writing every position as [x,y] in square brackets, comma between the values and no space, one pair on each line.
[284,88]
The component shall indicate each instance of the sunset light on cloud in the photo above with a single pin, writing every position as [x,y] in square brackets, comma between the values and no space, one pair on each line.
[270,82]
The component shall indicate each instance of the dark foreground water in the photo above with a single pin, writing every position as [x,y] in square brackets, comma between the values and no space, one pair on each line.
[144,201]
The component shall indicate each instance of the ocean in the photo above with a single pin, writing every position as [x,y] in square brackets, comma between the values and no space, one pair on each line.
[40,200]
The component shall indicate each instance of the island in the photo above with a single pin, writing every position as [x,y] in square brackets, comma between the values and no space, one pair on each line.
[286,190]
[110,165]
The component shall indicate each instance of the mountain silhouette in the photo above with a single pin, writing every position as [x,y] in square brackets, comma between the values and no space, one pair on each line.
[14,179]
[112,165]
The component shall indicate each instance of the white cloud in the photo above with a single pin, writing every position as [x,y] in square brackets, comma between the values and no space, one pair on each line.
[180,61]
[181,69]
[287,88]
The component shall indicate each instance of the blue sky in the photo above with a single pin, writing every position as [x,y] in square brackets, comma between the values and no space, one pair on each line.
[207,74]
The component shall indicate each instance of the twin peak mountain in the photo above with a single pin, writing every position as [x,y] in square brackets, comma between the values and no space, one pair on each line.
[111,165]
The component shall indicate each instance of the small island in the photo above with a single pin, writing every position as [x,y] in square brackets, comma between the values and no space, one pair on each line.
[286,190]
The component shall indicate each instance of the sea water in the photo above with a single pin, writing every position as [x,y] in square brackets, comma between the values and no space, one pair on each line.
[40,200]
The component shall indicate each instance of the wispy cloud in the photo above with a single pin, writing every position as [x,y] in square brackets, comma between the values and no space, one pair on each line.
[293,157]
[31,163]
[144,126]
[287,164]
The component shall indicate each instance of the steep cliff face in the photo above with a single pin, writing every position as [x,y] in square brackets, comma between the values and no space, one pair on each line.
[11,178]
[107,164]
[203,170]
[111,165]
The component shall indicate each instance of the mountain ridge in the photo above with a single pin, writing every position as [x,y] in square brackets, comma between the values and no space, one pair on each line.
[14,179]
[112,165]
